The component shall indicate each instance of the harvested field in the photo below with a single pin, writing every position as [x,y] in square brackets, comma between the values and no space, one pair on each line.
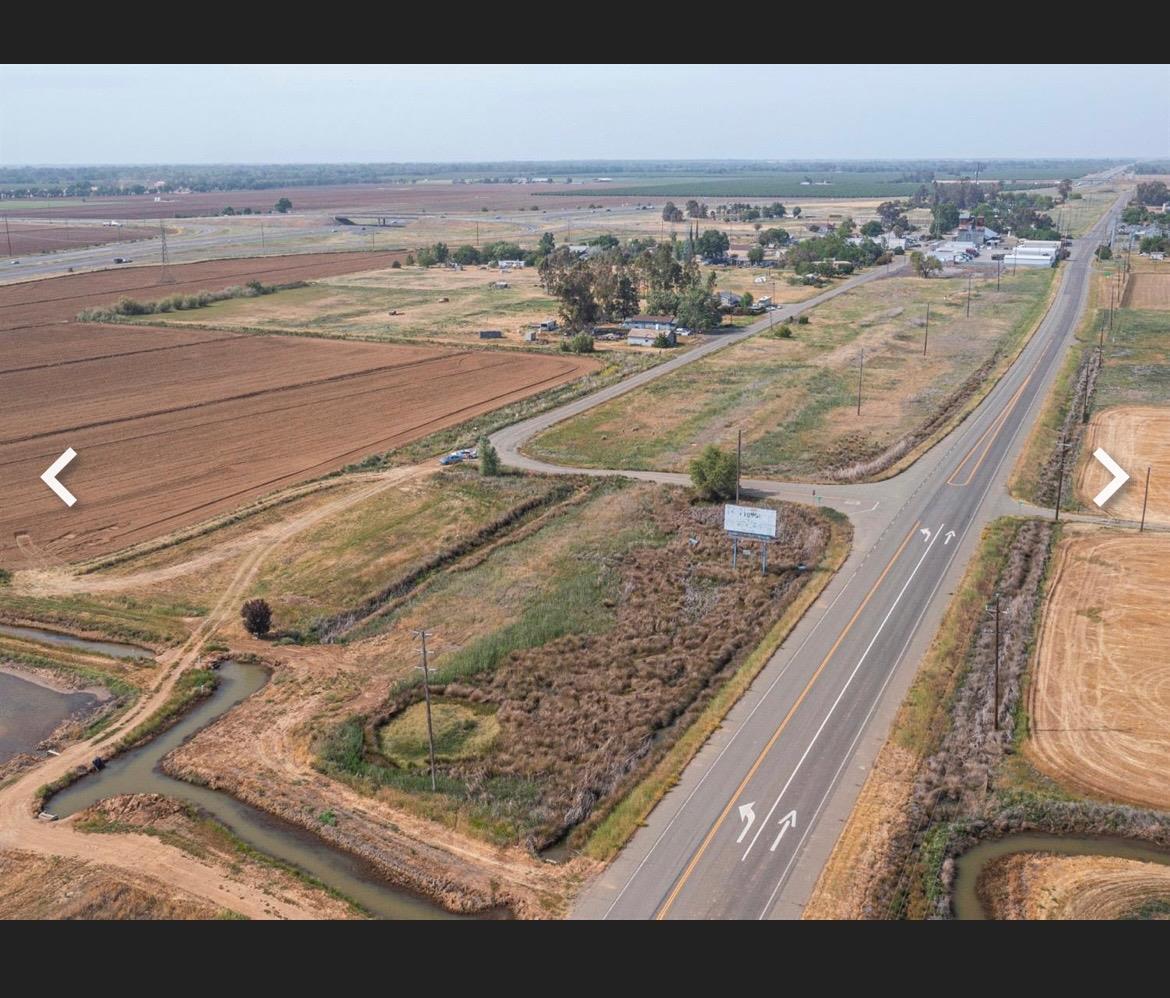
[1043,886]
[1148,289]
[24,238]
[59,299]
[1099,701]
[1137,438]
[199,425]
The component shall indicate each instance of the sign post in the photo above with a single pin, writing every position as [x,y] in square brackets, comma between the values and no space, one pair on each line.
[753,523]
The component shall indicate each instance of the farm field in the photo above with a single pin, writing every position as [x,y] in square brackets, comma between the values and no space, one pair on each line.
[22,238]
[795,398]
[176,428]
[1137,437]
[1043,886]
[1148,288]
[59,299]
[1099,705]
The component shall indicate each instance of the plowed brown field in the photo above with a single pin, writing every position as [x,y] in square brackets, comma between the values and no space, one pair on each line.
[178,429]
[1100,699]
[58,299]
[1137,437]
[22,238]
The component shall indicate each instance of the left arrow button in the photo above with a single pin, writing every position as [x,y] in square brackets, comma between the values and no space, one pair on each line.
[49,477]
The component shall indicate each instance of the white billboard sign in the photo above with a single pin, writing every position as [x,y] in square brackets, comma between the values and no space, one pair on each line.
[749,520]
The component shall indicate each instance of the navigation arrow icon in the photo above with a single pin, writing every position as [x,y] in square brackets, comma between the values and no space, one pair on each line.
[49,477]
[748,812]
[1119,477]
[787,822]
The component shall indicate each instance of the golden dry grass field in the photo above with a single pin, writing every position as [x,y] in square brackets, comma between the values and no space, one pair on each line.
[1099,704]
[1137,438]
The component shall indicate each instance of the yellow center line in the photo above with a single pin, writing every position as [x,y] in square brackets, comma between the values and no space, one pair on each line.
[664,910]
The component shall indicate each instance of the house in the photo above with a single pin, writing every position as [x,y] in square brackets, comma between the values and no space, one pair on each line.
[490,334]
[653,323]
[729,299]
[511,264]
[646,337]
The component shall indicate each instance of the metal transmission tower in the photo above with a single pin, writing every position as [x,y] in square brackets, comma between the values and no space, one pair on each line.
[165,276]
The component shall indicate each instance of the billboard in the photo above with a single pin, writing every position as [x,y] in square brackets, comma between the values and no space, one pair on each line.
[749,521]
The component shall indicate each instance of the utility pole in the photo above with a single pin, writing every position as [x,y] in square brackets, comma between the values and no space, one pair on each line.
[1060,478]
[422,634]
[738,457]
[968,294]
[165,277]
[261,237]
[8,235]
[995,709]
[860,374]
[926,333]
[998,271]
[1145,499]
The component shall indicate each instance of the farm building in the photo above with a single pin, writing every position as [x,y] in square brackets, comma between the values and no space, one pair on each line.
[490,334]
[511,264]
[646,337]
[1024,256]
[653,323]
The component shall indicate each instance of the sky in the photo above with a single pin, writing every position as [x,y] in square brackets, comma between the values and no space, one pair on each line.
[75,114]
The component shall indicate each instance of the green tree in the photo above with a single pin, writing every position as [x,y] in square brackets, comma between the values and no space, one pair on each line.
[756,254]
[796,212]
[872,229]
[489,460]
[1104,252]
[284,205]
[467,255]
[713,244]
[714,473]
[698,309]
[1064,188]
[257,616]
[547,244]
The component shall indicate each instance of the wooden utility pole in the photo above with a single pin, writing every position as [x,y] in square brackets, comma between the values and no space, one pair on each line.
[860,374]
[998,271]
[1145,499]
[8,235]
[926,333]
[261,237]
[996,707]
[422,634]
[968,295]
[738,458]
[1060,478]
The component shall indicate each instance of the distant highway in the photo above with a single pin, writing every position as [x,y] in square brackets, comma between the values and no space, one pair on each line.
[750,825]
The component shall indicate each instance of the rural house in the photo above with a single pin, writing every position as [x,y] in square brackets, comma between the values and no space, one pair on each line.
[655,323]
[646,337]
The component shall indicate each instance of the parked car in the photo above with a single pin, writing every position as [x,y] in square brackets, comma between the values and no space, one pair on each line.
[454,458]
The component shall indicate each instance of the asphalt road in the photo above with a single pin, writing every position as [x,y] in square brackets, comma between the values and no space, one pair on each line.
[750,825]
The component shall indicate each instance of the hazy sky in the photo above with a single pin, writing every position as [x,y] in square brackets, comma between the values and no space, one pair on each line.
[200,114]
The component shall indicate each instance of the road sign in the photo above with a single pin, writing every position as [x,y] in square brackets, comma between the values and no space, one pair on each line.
[750,521]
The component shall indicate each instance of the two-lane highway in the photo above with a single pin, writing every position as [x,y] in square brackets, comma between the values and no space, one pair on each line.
[746,831]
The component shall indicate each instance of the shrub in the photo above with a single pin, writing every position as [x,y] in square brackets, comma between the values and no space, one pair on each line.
[489,460]
[410,259]
[257,616]
[661,340]
[5,576]
[396,265]
[802,320]
[714,473]
[581,343]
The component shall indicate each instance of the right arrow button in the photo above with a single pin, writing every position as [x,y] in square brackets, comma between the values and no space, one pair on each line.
[1119,477]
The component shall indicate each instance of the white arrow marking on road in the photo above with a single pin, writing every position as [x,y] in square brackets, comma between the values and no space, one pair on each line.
[1120,477]
[746,811]
[947,539]
[787,822]
[925,534]
[50,477]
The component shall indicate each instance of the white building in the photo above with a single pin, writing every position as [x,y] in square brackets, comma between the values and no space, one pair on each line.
[511,264]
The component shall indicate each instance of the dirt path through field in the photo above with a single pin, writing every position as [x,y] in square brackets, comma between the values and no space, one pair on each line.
[20,829]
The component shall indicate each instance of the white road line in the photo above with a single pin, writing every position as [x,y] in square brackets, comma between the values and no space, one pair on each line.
[841,695]
[731,741]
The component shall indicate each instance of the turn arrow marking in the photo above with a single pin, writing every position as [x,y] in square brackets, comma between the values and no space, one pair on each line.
[925,534]
[947,539]
[1120,477]
[49,477]
[746,811]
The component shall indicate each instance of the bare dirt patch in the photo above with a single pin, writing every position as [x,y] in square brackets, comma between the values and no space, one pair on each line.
[1148,289]
[1099,702]
[1137,438]
[31,237]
